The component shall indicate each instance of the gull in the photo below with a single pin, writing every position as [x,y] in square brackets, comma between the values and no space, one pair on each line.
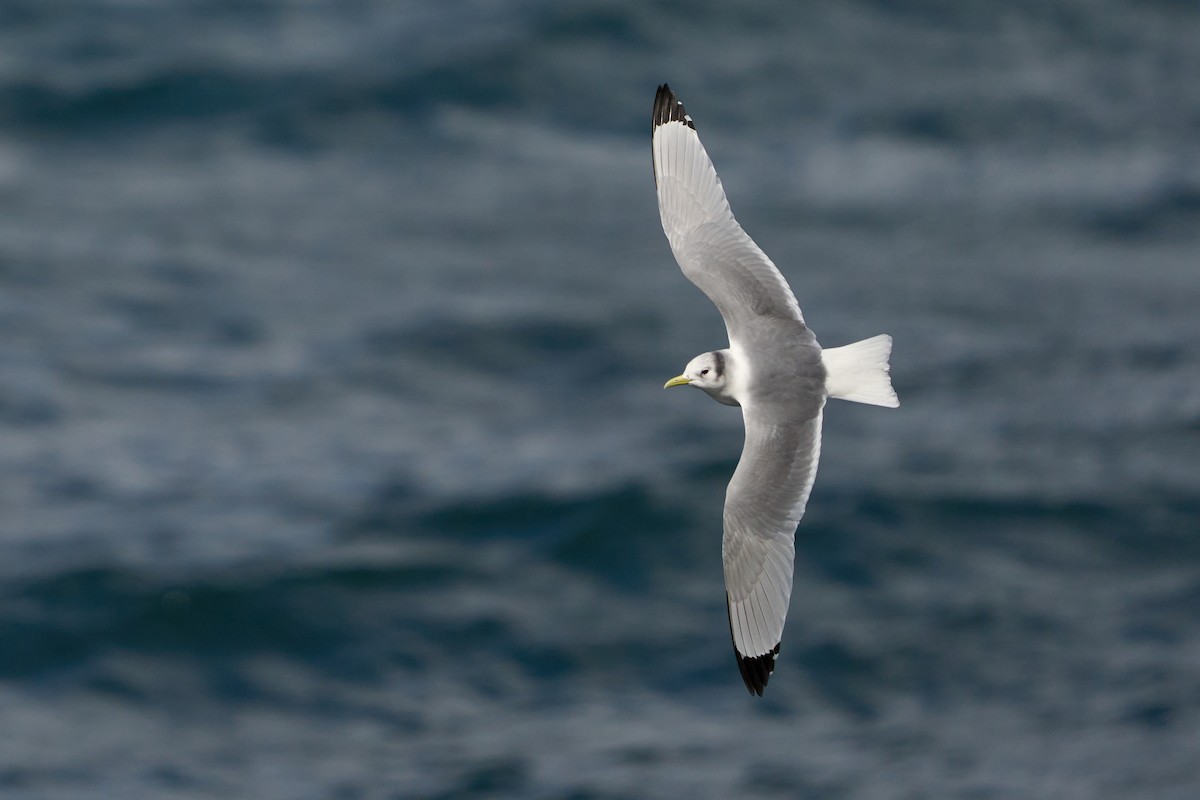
[773,368]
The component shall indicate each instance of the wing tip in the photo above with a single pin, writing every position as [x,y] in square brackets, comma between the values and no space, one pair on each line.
[756,670]
[669,108]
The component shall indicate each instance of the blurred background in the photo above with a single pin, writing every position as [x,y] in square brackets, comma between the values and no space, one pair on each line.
[335,463]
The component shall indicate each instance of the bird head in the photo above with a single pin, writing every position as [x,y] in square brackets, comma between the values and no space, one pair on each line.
[705,371]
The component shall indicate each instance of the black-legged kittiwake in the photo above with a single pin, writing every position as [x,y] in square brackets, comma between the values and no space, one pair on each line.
[773,368]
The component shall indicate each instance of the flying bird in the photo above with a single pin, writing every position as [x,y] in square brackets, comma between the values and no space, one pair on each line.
[773,368]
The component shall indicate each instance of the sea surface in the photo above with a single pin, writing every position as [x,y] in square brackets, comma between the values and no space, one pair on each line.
[335,463]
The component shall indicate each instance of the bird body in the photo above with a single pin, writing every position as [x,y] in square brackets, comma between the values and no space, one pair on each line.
[774,369]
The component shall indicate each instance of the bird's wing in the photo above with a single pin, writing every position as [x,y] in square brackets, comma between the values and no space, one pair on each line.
[711,248]
[763,506]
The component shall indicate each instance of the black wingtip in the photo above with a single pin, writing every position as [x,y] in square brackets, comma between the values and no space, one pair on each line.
[756,670]
[667,108]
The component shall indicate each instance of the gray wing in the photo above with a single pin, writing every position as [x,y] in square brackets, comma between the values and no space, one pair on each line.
[712,249]
[763,506]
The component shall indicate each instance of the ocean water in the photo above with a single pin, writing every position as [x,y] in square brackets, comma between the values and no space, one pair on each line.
[334,461]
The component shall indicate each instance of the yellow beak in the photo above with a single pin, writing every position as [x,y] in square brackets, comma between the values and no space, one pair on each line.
[678,380]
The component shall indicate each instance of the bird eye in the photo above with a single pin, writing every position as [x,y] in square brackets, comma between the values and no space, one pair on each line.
[703,372]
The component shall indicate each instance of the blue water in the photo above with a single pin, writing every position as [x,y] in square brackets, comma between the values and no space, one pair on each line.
[334,461]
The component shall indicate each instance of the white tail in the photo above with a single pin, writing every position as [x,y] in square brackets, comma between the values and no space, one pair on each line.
[859,372]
